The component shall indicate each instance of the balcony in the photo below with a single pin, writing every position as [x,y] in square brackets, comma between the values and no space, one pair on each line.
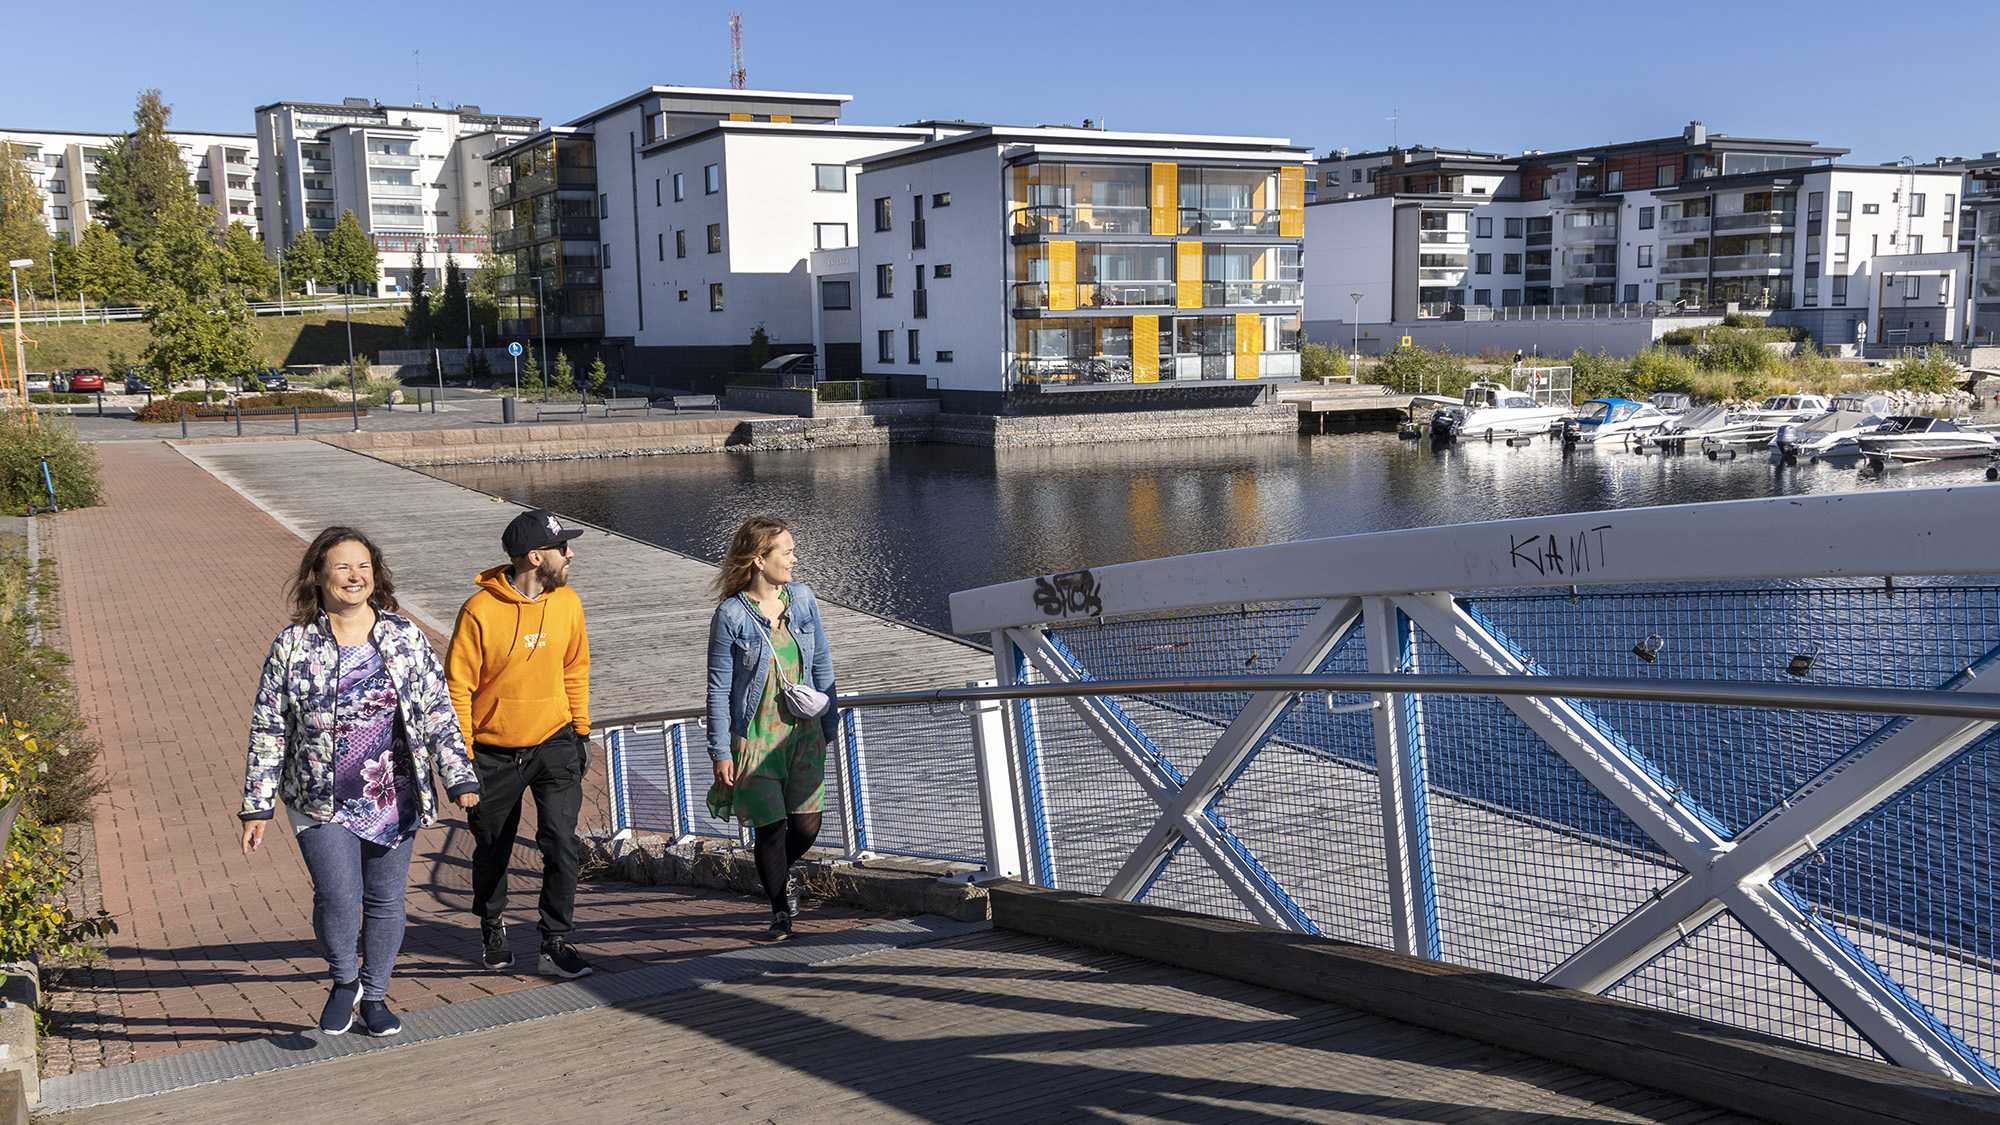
[321,225]
[1589,236]
[1755,220]
[1989,289]
[1697,224]
[395,191]
[513,284]
[513,238]
[1753,263]
[1675,267]
[1591,271]
[237,167]
[1058,219]
[574,277]
[574,227]
[1236,294]
[241,192]
[1538,275]
[1443,238]
[311,165]
[501,194]
[533,183]
[1540,238]
[394,160]
[576,177]
[576,326]
[1034,295]
[1447,274]
[1989,244]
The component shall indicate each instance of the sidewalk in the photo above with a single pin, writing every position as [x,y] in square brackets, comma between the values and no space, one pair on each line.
[171,591]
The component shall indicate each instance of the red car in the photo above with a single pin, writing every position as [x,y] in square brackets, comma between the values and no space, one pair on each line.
[85,379]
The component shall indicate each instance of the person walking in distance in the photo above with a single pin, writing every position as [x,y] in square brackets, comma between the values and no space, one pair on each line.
[351,718]
[519,670]
[770,707]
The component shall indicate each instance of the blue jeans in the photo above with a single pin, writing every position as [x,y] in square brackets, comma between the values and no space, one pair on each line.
[358,890]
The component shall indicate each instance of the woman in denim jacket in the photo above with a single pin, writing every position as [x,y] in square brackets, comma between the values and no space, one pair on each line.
[351,717]
[769,760]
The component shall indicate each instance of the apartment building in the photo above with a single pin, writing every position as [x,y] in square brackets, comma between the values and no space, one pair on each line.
[1008,268]
[1980,224]
[414,176]
[1341,174]
[1696,222]
[64,166]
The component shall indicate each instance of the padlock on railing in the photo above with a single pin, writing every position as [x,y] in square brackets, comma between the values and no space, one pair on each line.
[1648,650]
[1802,663]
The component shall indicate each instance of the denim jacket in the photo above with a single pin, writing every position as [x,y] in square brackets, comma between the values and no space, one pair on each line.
[292,722]
[739,661]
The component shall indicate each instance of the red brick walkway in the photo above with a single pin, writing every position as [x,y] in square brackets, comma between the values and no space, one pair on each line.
[172,591]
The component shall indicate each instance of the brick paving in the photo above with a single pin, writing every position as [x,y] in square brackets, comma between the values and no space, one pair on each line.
[171,593]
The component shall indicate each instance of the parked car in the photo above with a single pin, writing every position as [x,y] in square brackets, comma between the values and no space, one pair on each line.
[38,382]
[272,379]
[135,380]
[84,380]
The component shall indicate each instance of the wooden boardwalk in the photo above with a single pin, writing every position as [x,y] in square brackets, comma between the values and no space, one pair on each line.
[994,1026]
[647,608]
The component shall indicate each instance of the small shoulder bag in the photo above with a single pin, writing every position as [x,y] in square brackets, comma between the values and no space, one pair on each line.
[804,700]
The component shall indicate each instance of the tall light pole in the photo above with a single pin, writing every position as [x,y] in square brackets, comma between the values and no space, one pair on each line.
[55,292]
[20,380]
[1354,358]
[353,391]
[542,326]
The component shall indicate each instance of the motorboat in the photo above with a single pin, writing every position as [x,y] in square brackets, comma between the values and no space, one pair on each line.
[1671,403]
[1489,410]
[1607,420]
[1919,437]
[1758,425]
[1693,426]
[1834,433]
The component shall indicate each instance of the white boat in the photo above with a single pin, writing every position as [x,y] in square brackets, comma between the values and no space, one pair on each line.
[1834,433]
[1608,420]
[1489,410]
[1671,403]
[1757,426]
[1919,437]
[1693,426]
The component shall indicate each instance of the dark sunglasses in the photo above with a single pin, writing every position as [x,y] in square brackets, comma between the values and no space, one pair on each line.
[562,547]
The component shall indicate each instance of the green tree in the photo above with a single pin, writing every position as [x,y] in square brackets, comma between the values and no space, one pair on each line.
[249,268]
[68,266]
[597,376]
[531,375]
[109,269]
[417,321]
[23,234]
[199,339]
[565,376]
[305,261]
[182,257]
[141,174]
[760,347]
[351,259]
[448,321]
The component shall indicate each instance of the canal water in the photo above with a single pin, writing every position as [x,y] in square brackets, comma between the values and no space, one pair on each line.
[896,529]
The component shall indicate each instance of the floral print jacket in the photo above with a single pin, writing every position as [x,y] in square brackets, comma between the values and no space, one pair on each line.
[292,724]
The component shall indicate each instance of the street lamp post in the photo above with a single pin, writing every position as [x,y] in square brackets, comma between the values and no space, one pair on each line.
[55,292]
[353,390]
[1354,357]
[542,327]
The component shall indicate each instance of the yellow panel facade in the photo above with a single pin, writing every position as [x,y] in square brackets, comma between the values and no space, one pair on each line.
[1062,276]
[1145,349]
[739,117]
[784,118]
[1166,201]
[1249,344]
[1187,275]
[1292,202]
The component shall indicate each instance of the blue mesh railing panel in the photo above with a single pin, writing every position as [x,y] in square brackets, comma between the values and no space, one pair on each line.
[920,783]
[1096,812]
[646,790]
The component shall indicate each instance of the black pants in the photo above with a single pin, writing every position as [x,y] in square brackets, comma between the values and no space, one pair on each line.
[554,771]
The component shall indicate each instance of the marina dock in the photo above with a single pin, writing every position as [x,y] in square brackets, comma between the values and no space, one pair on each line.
[1325,407]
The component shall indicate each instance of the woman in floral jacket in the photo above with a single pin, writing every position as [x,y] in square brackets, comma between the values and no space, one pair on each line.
[351,717]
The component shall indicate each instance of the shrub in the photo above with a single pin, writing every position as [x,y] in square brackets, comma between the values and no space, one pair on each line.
[192,396]
[1751,385]
[1657,369]
[281,399]
[1597,375]
[1418,370]
[845,391]
[1928,371]
[165,410]
[1681,337]
[1742,320]
[58,398]
[72,463]
[1317,361]
[1728,349]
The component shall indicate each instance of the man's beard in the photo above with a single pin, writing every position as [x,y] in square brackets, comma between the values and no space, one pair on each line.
[553,573]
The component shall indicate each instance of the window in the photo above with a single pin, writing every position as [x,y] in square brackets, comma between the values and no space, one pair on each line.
[603,206]
[59,212]
[1357,175]
[1875,244]
[1615,181]
[1871,208]
[680,187]
[1664,177]
[680,244]
[885,279]
[1483,227]
[715,238]
[941,271]
[1812,291]
[1510,263]
[684,294]
[1482,296]
[1482,263]
[663,245]
[829,236]
[829,177]
[1839,289]
[885,346]
[882,213]
[711,179]
[944,357]
[58,187]
[1916,243]
[836,295]
[715,297]
[1840,247]
[1916,205]
[1843,203]
[1631,294]
[941,199]
[656,191]
[1510,298]
[1513,228]
[1645,257]
[1645,218]
[914,351]
[1815,204]
[917,223]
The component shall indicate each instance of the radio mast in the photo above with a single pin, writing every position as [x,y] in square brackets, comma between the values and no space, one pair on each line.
[736,50]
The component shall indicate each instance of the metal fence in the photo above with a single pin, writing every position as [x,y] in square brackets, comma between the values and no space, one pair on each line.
[1725,772]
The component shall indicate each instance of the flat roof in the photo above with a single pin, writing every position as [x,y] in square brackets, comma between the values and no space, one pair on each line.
[783,128]
[1274,148]
[711,92]
[123,132]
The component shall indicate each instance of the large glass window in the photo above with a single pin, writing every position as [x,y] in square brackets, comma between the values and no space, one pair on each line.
[829,236]
[836,295]
[829,177]
[711,179]
[1057,198]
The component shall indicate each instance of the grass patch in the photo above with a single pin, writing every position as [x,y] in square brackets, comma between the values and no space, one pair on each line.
[315,338]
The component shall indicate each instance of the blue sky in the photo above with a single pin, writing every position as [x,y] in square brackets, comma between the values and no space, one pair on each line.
[1498,77]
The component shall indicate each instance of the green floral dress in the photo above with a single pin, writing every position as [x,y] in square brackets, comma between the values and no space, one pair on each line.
[781,766]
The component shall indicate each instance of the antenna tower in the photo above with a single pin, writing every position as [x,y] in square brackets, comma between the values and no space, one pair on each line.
[736,76]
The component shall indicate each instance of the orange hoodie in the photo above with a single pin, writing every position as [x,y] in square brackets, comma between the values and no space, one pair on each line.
[519,668]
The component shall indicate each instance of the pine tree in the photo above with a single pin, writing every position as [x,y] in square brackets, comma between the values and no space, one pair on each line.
[305,260]
[417,321]
[531,376]
[564,382]
[249,269]
[760,347]
[448,323]
[110,271]
[350,255]
[141,174]
[596,376]
[23,234]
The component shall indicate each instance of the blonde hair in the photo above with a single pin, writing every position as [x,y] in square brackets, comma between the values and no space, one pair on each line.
[750,543]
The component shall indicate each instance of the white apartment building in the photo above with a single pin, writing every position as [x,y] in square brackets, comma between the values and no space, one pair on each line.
[1634,231]
[1010,267]
[1981,222]
[413,176]
[223,167]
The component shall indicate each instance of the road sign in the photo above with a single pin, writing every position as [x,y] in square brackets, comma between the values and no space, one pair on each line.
[514,349]
[1406,341]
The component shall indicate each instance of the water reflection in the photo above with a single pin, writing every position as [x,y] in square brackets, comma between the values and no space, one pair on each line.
[896,529]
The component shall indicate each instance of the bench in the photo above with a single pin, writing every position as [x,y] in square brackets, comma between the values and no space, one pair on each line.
[686,402]
[572,409]
[611,404]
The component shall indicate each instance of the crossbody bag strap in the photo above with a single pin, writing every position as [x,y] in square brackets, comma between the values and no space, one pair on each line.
[771,642]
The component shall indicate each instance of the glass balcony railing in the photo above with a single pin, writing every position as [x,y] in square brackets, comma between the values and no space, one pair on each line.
[1443,238]
[1754,220]
[1989,244]
[1989,289]
[1752,263]
[1092,219]
[575,227]
[1431,310]
[571,177]
[576,326]
[1540,238]
[586,277]
[513,284]
[1591,271]
[1034,295]
[1225,294]
[501,194]
[309,164]
[1694,225]
[513,238]
[1229,220]
[1441,273]
[1538,274]
[321,224]
[1671,267]
[394,160]
[395,191]
[1572,236]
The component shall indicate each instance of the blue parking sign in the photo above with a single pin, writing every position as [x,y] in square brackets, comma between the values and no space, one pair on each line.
[514,349]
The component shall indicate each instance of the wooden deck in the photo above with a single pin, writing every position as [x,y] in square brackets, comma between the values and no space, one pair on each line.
[647,608]
[992,1027]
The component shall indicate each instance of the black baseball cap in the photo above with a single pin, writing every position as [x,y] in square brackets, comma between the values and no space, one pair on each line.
[532,531]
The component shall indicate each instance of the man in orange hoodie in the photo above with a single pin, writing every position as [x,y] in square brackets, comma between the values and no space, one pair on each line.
[519,674]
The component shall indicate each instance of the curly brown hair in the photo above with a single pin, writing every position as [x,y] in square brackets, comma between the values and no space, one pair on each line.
[748,545]
[303,590]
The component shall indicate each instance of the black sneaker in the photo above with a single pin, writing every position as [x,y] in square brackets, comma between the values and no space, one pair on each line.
[560,959]
[493,937]
[338,1015]
[377,1020]
[781,929]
